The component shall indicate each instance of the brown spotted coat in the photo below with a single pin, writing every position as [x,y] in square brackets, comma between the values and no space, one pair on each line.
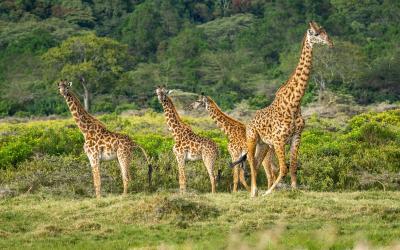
[188,145]
[281,122]
[100,143]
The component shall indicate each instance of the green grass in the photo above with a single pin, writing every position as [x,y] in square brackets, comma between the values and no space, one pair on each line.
[286,219]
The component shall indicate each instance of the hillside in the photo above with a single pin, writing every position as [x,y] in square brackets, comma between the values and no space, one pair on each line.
[235,51]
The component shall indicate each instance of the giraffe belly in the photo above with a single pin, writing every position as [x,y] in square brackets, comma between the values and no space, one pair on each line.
[192,157]
[108,155]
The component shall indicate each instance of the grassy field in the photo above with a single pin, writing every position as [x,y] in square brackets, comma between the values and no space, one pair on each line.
[48,188]
[286,219]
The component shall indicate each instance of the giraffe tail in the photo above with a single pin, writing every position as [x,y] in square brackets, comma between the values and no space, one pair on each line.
[240,160]
[150,170]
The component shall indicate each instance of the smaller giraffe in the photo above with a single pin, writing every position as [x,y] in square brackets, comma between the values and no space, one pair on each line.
[188,145]
[100,143]
[237,147]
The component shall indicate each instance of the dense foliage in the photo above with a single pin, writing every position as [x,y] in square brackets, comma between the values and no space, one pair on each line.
[233,50]
[362,154]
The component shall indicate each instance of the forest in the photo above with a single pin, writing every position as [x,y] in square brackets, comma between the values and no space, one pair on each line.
[238,52]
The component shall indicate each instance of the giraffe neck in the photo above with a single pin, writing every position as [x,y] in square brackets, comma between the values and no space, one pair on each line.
[293,90]
[223,121]
[174,122]
[83,119]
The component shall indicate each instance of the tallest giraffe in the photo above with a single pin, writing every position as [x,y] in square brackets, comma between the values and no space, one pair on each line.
[281,122]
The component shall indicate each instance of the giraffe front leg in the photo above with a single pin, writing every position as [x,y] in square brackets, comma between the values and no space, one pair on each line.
[280,153]
[294,150]
[234,157]
[180,158]
[95,164]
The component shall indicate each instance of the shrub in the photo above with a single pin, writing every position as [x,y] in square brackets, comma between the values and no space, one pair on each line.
[126,106]
[363,155]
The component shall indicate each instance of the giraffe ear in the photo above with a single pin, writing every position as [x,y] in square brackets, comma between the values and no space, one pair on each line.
[170,91]
[70,84]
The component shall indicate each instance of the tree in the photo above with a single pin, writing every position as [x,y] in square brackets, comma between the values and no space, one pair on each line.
[94,61]
[148,25]
[343,65]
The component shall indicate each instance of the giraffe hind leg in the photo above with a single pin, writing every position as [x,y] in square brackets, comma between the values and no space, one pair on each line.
[280,153]
[209,162]
[124,159]
[267,164]
[242,178]
[294,150]
[251,148]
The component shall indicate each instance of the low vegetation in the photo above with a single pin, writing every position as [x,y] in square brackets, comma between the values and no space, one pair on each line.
[361,153]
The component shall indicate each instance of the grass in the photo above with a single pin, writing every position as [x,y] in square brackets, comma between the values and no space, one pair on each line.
[286,219]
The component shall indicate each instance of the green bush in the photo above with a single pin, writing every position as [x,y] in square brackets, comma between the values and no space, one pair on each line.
[126,106]
[363,155]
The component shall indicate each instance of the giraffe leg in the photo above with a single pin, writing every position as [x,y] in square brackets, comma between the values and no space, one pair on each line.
[95,164]
[280,153]
[294,149]
[251,148]
[235,172]
[235,178]
[242,178]
[209,162]
[180,158]
[267,164]
[124,159]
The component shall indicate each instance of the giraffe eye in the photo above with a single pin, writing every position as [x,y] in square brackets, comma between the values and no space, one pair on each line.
[316,34]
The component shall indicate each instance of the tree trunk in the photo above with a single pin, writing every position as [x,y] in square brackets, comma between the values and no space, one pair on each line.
[86,94]
[321,91]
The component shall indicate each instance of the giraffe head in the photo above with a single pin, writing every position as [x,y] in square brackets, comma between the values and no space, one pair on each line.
[63,87]
[317,35]
[202,102]
[162,93]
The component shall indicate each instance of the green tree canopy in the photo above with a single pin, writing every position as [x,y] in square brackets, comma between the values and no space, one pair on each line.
[95,62]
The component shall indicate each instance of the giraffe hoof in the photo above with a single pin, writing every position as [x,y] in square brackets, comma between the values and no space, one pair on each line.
[268,192]
[254,193]
[294,185]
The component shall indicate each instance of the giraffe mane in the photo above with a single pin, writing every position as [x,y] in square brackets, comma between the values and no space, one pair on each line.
[294,71]
[236,122]
[175,112]
[83,111]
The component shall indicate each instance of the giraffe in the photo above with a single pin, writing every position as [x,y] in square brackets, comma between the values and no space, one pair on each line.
[100,143]
[188,145]
[236,133]
[281,122]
